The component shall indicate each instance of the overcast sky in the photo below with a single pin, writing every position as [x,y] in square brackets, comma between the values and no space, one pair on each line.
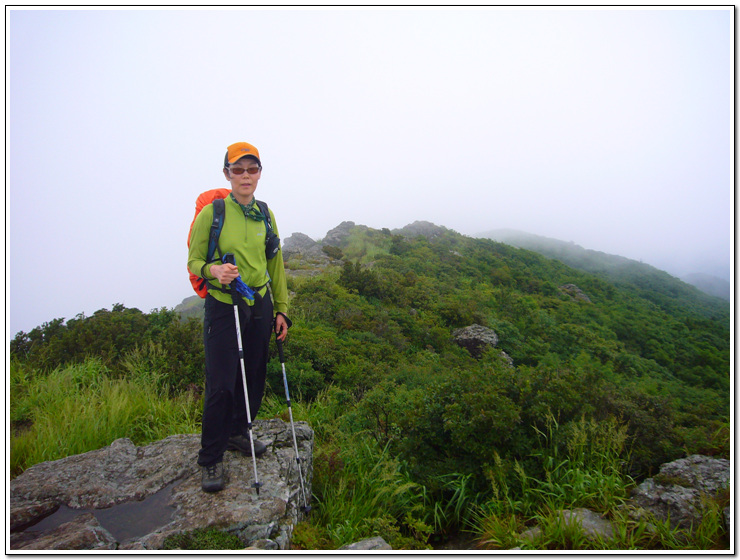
[611,128]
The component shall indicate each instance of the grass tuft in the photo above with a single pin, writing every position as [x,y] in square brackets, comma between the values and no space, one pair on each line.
[80,408]
[203,539]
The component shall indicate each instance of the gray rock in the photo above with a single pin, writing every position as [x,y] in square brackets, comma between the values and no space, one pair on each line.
[574,292]
[302,246]
[726,517]
[678,491]
[298,242]
[375,543]
[421,228]
[594,526]
[265,544]
[508,359]
[339,235]
[531,534]
[475,339]
[141,495]
[84,532]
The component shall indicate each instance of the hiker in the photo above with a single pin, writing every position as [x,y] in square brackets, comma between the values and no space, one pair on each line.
[243,234]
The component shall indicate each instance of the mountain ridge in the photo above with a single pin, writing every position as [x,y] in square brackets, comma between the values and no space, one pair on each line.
[308,256]
[598,262]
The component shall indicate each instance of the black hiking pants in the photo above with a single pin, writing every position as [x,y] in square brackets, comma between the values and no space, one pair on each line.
[224,409]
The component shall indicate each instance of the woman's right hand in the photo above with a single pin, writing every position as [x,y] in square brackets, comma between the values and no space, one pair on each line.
[224,273]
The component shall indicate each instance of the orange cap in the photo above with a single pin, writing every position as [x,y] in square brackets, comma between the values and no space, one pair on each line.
[239,150]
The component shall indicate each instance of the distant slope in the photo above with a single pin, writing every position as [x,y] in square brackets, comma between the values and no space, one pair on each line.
[709,284]
[191,306]
[615,268]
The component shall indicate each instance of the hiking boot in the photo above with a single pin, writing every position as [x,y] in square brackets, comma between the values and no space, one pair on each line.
[212,479]
[241,443]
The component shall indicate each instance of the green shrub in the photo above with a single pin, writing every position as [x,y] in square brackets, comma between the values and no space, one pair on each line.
[307,536]
[333,252]
[304,382]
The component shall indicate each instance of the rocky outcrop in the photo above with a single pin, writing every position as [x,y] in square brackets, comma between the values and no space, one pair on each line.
[128,497]
[339,235]
[421,228]
[302,246]
[678,492]
[574,292]
[84,532]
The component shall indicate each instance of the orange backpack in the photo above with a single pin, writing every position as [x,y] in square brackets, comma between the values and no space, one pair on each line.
[205,198]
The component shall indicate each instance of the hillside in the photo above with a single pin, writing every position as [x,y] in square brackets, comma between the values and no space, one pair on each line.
[709,284]
[418,431]
[614,267]
[638,311]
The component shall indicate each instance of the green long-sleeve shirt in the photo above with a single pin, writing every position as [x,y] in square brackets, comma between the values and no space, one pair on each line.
[246,239]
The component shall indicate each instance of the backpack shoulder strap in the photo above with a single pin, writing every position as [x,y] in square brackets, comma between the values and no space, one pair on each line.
[266,213]
[219,212]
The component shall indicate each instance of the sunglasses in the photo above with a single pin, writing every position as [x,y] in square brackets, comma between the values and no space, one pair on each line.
[252,170]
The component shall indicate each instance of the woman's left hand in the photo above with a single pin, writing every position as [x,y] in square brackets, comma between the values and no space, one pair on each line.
[281,327]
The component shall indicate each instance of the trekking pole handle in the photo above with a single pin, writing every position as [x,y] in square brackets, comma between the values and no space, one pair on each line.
[229,258]
[280,349]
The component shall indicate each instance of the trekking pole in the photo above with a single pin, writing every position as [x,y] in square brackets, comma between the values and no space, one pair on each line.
[306,508]
[229,258]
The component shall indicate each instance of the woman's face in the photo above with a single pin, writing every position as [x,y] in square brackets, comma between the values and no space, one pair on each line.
[243,185]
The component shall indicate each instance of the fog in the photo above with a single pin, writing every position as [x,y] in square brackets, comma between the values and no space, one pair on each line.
[608,127]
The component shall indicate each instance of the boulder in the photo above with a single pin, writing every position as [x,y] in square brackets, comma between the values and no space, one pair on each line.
[574,292]
[375,543]
[128,497]
[679,490]
[594,526]
[475,339]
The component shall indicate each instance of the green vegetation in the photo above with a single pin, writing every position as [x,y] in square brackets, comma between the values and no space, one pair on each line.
[80,407]
[416,440]
[203,539]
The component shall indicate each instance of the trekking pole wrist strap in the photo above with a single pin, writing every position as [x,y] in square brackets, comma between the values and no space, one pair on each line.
[287,320]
